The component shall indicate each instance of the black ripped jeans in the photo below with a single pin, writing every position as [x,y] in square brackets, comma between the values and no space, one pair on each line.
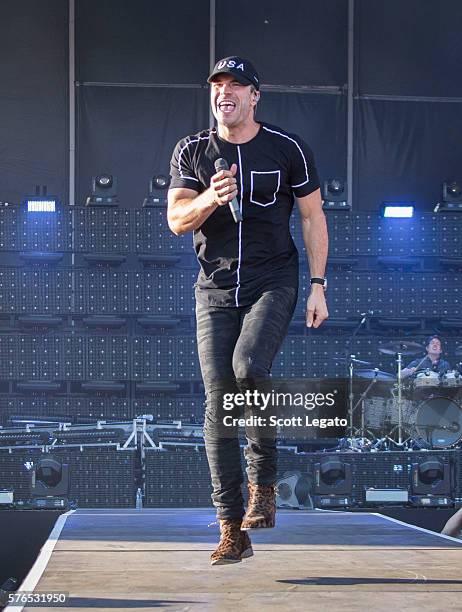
[236,348]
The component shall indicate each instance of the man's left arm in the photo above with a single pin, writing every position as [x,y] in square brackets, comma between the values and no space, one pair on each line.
[314,230]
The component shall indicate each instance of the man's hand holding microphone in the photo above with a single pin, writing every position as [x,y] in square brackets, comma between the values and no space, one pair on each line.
[224,186]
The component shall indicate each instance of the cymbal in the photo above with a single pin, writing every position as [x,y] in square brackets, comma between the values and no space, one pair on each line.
[377,374]
[405,347]
[354,360]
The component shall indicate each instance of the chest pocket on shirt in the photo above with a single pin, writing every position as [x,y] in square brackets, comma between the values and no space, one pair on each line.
[264,187]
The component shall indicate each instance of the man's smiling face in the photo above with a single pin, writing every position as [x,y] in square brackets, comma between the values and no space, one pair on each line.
[434,347]
[232,102]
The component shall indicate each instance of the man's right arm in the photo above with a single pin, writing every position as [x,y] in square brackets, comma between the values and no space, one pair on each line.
[410,369]
[187,210]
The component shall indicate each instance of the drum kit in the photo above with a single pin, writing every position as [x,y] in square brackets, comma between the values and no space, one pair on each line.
[422,411]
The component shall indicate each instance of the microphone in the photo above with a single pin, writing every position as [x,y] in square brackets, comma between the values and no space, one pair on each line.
[222,164]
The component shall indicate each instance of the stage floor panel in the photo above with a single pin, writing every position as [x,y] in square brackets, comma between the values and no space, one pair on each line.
[135,560]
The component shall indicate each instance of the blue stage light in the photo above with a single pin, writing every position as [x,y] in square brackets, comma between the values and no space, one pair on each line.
[398,211]
[41,205]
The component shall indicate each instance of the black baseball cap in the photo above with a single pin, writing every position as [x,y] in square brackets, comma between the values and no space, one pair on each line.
[241,69]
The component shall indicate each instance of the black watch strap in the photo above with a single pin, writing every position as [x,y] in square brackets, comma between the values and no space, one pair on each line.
[319,281]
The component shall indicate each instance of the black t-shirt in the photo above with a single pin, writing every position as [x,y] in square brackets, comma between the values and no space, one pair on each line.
[441,366]
[241,260]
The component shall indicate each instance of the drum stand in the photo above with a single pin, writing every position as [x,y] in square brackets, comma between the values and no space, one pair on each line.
[350,359]
[362,430]
[350,395]
[350,439]
[352,431]
[399,360]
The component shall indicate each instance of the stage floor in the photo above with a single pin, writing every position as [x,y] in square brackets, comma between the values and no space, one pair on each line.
[313,560]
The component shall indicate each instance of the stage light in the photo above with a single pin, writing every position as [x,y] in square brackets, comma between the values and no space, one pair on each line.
[452,197]
[50,484]
[334,195]
[331,471]
[333,483]
[160,182]
[103,191]
[431,483]
[48,473]
[157,185]
[430,471]
[105,181]
[41,205]
[41,202]
[397,210]
[452,192]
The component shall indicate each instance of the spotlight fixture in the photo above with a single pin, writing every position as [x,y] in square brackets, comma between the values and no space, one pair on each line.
[157,186]
[452,197]
[160,182]
[103,191]
[333,483]
[431,483]
[41,202]
[397,210]
[50,484]
[334,195]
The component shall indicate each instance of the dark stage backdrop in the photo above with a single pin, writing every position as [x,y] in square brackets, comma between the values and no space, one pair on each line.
[141,68]
[142,41]
[408,47]
[291,42]
[404,150]
[319,119]
[33,98]
[131,132]
[408,118]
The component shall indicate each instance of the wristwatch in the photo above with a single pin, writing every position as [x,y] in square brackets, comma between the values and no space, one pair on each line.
[319,281]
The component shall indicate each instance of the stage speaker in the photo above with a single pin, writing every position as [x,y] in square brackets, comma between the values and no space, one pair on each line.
[293,491]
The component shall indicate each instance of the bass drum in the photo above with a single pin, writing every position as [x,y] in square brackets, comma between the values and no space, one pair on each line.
[438,420]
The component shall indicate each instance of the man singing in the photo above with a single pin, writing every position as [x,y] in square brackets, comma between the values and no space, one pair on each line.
[247,286]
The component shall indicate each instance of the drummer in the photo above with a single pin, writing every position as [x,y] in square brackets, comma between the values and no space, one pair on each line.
[432,361]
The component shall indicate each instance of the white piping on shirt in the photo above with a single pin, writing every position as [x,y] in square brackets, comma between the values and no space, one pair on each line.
[240,228]
[191,178]
[252,172]
[301,153]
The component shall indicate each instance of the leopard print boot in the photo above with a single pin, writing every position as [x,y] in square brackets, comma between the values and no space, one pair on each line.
[261,511]
[234,544]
